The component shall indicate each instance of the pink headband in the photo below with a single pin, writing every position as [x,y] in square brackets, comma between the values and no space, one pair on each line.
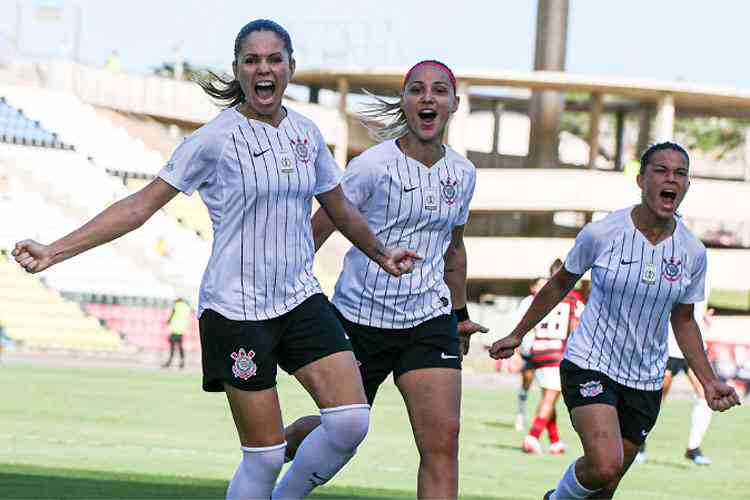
[434,64]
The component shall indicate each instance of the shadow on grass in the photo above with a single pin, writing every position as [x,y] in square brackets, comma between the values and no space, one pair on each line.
[502,425]
[671,465]
[26,482]
[503,446]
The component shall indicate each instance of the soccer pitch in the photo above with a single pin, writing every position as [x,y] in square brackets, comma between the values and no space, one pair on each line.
[139,433]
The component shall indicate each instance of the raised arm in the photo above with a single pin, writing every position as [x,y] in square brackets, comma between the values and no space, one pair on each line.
[455,278]
[118,219]
[548,297]
[347,219]
[719,396]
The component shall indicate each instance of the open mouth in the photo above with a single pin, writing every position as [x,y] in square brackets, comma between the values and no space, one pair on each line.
[265,89]
[668,198]
[427,116]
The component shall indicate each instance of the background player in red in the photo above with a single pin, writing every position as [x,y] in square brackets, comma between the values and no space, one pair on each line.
[547,345]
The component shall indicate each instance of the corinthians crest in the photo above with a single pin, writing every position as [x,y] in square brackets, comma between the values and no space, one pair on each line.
[243,366]
[302,149]
[671,269]
[448,190]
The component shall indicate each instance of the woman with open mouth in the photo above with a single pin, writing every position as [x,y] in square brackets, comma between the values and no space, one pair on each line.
[414,191]
[257,166]
[647,269]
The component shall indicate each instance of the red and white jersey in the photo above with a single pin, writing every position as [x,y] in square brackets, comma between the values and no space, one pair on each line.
[551,334]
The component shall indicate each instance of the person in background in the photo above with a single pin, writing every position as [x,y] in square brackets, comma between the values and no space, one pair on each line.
[178,322]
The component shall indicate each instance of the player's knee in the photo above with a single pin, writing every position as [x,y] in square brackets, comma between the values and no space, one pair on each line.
[442,441]
[606,471]
[346,425]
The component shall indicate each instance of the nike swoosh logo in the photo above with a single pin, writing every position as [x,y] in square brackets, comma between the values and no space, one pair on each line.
[445,356]
[628,262]
[408,190]
[255,155]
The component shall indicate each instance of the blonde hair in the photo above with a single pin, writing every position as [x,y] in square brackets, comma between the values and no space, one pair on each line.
[384,120]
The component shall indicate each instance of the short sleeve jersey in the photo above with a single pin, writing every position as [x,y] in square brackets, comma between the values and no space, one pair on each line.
[407,205]
[635,285]
[257,182]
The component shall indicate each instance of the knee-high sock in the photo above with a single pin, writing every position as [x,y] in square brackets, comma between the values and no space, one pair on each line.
[538,427]
[325,450]
[569,487]
[699,422]
[257,472]
[554,434]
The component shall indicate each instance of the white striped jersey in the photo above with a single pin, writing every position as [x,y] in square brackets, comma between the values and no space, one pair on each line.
[257,182]
[635,285]
[407,204]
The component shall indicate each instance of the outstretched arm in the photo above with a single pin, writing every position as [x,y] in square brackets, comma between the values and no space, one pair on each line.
[115,221]
[455,278]
[548,297]
[719,396]
[350,222]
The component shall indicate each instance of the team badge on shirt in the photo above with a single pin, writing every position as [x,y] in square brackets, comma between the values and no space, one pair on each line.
[449,190]
[243,366]
[649,274]
[591,389]
[672,269]
[301,150]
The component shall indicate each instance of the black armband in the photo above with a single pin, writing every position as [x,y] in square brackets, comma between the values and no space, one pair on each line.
[462,314]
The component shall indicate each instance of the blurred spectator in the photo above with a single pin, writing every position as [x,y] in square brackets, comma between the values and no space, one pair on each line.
[178,322]
[113,62]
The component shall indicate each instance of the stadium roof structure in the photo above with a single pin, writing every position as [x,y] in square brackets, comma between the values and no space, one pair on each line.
[696,98]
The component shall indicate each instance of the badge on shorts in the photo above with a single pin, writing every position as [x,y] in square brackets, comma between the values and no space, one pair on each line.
[591,389]
[243,366]
[286,164]
[430,198]
[649,274]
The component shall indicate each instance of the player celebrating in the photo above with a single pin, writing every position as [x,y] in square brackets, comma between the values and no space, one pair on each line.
[257,166]
[645,266]
[545,354]
[416,191]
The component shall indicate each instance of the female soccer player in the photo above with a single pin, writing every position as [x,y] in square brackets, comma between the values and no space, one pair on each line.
[257,166]
[646,267]
[414,191]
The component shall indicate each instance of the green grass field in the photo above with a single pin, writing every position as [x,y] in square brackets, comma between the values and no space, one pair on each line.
[137,433]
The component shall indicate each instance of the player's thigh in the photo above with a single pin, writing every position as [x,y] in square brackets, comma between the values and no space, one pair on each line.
[314,348]
[598,427]
[433,401]
[257,416]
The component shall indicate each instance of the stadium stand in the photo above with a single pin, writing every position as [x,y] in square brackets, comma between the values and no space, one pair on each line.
[91,134]
[62,326]
[143,325]
[16,128]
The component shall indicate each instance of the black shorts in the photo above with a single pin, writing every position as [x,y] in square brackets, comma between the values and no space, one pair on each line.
[379,351]
[244,354]
[676,365]
[175,339]
[637,410]
[527,364]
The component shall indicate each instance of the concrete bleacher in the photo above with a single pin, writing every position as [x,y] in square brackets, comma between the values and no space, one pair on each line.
[16,128]
[37,317]
[91,134]
[72,184]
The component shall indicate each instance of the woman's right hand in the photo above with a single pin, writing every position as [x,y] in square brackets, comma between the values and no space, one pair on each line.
[505,347]
[32,256]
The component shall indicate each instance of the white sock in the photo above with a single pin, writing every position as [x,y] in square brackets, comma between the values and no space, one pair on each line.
[325,450]
[699,422]
[569,487]
[257,473]
[522,395]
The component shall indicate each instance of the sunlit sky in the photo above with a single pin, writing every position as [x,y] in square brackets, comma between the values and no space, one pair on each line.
[695,41]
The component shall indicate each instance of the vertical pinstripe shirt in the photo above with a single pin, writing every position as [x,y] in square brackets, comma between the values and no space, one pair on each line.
[257,182]
[635,285]
[407,204]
